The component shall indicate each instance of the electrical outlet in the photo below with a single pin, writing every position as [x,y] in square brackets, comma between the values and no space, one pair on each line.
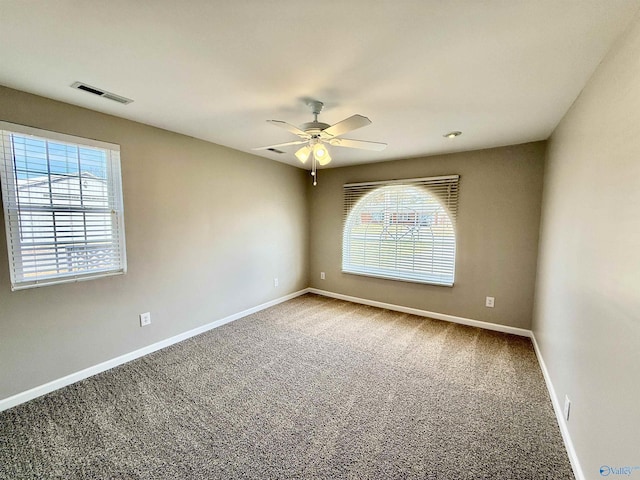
[321,275]
[567,407]
[275,282]
[145,319]
[490,302]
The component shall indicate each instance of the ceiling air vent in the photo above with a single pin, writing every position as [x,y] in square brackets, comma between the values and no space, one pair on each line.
[101,93]
[275,150]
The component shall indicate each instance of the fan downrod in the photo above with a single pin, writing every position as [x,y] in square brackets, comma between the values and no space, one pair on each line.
[314,128]
[316,107]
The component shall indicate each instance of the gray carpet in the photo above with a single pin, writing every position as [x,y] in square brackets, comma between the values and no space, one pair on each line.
[311,388]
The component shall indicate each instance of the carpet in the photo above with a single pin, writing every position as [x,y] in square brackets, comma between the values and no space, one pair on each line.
[311,388]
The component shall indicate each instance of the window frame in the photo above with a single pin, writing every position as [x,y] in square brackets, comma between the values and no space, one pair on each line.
[443,189]
[14,222]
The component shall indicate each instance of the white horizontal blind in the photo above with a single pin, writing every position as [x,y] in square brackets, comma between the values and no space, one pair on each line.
[62,198]
[402,229]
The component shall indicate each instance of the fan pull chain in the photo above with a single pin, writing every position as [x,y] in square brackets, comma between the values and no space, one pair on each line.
[314,171]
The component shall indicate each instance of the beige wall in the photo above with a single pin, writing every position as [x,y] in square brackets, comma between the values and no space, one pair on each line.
[207,229]
[587,311]
[497,233]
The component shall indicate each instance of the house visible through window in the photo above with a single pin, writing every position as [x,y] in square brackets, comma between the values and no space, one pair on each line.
[62,198]
[402,230]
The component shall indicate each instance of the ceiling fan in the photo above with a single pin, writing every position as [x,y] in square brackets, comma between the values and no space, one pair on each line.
[315,136]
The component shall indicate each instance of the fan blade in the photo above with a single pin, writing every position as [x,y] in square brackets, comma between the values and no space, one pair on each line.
[291,128]
[299,142]
[347,125]
[345,142]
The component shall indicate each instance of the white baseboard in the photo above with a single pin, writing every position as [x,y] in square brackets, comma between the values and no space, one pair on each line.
[35,392]
[424,313]
[559,411]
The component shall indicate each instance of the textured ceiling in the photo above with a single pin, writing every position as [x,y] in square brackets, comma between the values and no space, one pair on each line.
[503,72]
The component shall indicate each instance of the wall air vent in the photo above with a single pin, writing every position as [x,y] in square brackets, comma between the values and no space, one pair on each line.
[275,150]
[101,93]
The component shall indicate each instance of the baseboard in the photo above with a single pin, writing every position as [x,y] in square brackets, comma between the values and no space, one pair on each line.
[35,392]
[557,408]
[424,313]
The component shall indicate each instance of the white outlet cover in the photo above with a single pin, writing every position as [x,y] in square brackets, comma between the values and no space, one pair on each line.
[322,276]
[145,319]
[490,302]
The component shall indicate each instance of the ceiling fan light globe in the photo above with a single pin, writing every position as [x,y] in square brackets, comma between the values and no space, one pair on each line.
[303,153]
[319,151]
[325,159]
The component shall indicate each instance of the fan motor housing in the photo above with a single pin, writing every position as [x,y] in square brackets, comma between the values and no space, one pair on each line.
[314,128]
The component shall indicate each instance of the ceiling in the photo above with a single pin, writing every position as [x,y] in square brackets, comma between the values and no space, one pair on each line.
[501,71]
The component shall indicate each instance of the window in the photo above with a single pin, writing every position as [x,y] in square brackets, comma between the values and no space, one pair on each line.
[62,198]
[402,230]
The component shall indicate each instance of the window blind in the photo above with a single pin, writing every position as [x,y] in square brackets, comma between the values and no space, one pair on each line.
[62,198]
[402,229]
